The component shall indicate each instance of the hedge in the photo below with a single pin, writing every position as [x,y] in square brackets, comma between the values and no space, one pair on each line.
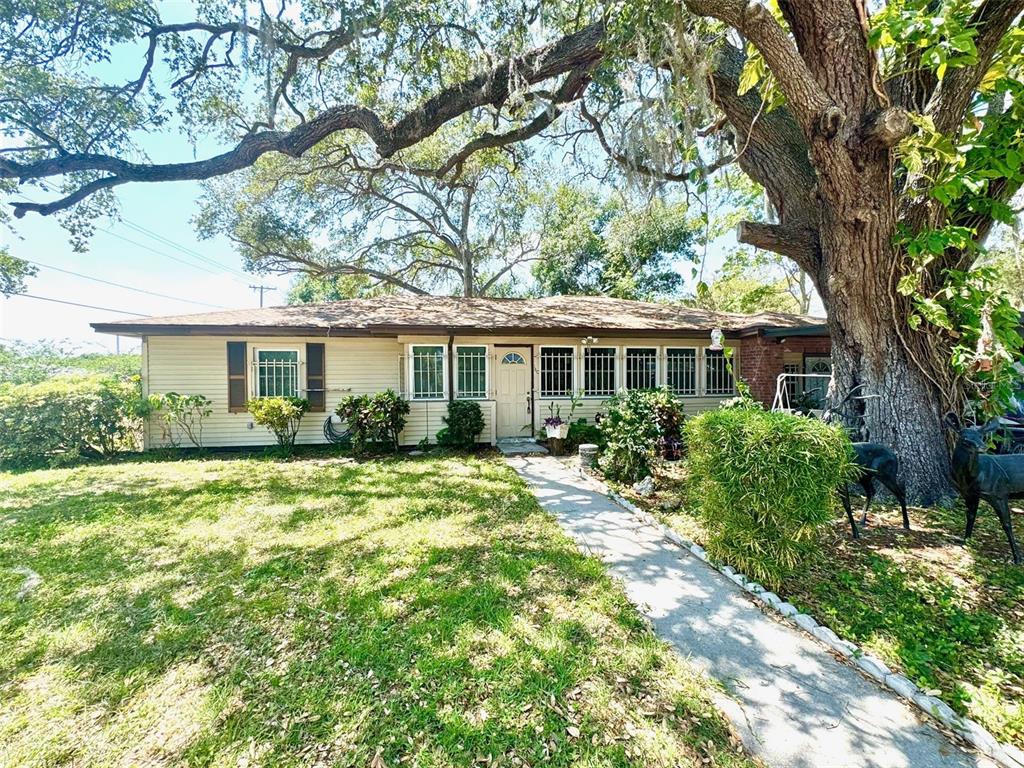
[765,484]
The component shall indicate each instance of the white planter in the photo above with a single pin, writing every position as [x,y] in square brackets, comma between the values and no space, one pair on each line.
[560,431]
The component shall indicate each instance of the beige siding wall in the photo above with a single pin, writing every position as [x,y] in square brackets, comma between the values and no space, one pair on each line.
[198,365]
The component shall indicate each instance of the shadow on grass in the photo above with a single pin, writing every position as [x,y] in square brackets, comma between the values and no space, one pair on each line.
[423,609]
[951,616]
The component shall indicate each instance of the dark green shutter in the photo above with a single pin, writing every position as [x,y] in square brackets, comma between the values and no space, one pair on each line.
[315,377]
[237,389]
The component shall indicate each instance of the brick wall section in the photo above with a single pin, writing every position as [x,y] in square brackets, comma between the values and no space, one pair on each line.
[761,360]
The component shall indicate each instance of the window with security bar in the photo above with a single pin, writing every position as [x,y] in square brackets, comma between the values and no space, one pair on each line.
[556,371]
[471,370]
[277,373]
[717,378]
[681,371]
[641,367]
[599,371]
[428,372]
[791,382]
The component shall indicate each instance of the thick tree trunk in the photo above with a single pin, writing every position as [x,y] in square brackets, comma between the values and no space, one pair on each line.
[902,408]
[868,321]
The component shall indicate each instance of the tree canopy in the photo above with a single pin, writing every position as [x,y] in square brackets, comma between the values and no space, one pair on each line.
[590,246]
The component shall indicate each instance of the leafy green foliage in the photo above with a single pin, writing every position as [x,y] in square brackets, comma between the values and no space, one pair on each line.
[34,362]
[766,484]
[180,415]
[63,419]
[373,231]
[376,419]
[755,281]
[637,421]
[13,273]
[1007,262]
[281,415]
[464,423]
[311,289]
[593,247]
[581,432]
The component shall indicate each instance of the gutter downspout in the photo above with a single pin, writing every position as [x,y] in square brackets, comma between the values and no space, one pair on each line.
[451,367]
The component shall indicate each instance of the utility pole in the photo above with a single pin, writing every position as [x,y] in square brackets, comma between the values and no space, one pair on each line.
[261,289]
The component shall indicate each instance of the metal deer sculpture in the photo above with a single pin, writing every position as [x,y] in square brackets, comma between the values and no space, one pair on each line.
[979,475]
[875,462]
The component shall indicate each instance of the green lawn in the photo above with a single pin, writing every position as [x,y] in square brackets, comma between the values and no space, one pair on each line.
[393,612]
[950,617]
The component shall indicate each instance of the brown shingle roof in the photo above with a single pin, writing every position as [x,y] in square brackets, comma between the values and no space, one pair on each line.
[444,314]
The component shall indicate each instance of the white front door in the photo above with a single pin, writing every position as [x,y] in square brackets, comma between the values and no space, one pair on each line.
[513,376]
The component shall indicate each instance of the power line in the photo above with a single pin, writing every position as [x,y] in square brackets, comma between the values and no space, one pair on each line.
[76,304]
[126,287]
[112,233]
[183,248]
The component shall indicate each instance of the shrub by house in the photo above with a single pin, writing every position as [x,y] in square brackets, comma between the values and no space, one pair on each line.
[282,416]
[374,419]
[638,423]
[463,424]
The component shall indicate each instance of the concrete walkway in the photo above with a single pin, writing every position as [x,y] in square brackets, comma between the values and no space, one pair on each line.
[794,705]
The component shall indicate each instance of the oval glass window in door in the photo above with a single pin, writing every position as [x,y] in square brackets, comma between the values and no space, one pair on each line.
[513,358]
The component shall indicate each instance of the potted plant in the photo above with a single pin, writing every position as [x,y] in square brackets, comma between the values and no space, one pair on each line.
[554,424]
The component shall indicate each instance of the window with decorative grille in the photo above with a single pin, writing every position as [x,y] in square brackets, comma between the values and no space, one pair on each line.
[681,371]
[641,367]
[471,372]
[428,372]
[556,371]
[599,371]
[717,379]
[277,373]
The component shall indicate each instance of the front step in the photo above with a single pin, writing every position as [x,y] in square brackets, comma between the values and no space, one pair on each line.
[521,447]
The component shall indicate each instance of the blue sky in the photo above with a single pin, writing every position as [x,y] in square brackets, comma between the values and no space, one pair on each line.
[147,263]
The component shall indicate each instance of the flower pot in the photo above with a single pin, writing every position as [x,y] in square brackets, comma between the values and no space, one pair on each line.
[559,431]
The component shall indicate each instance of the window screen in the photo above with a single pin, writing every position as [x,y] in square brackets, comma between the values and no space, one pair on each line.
[599,371]
[427,372]
[641,368]
[556,371]
[681,371]
[472,372]
[717,379]
[277,373]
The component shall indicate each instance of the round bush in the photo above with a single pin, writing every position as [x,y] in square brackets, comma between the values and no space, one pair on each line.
[764,484]
[281,415]
[465,422]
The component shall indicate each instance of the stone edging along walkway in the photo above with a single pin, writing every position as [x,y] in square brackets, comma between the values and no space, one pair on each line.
[1005,755]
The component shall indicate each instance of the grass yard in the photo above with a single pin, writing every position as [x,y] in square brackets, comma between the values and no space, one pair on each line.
[323,612]
[950,617]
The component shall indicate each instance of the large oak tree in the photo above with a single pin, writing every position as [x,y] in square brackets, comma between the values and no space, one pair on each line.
[885,220]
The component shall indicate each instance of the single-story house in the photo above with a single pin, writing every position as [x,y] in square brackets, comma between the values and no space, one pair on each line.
[520,358]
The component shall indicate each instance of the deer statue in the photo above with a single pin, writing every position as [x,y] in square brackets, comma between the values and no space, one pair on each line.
[979,475]
[875,462]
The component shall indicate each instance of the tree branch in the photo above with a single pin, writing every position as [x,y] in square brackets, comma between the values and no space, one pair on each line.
[573,52]
[886,127]
[805,96]
[798,243]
